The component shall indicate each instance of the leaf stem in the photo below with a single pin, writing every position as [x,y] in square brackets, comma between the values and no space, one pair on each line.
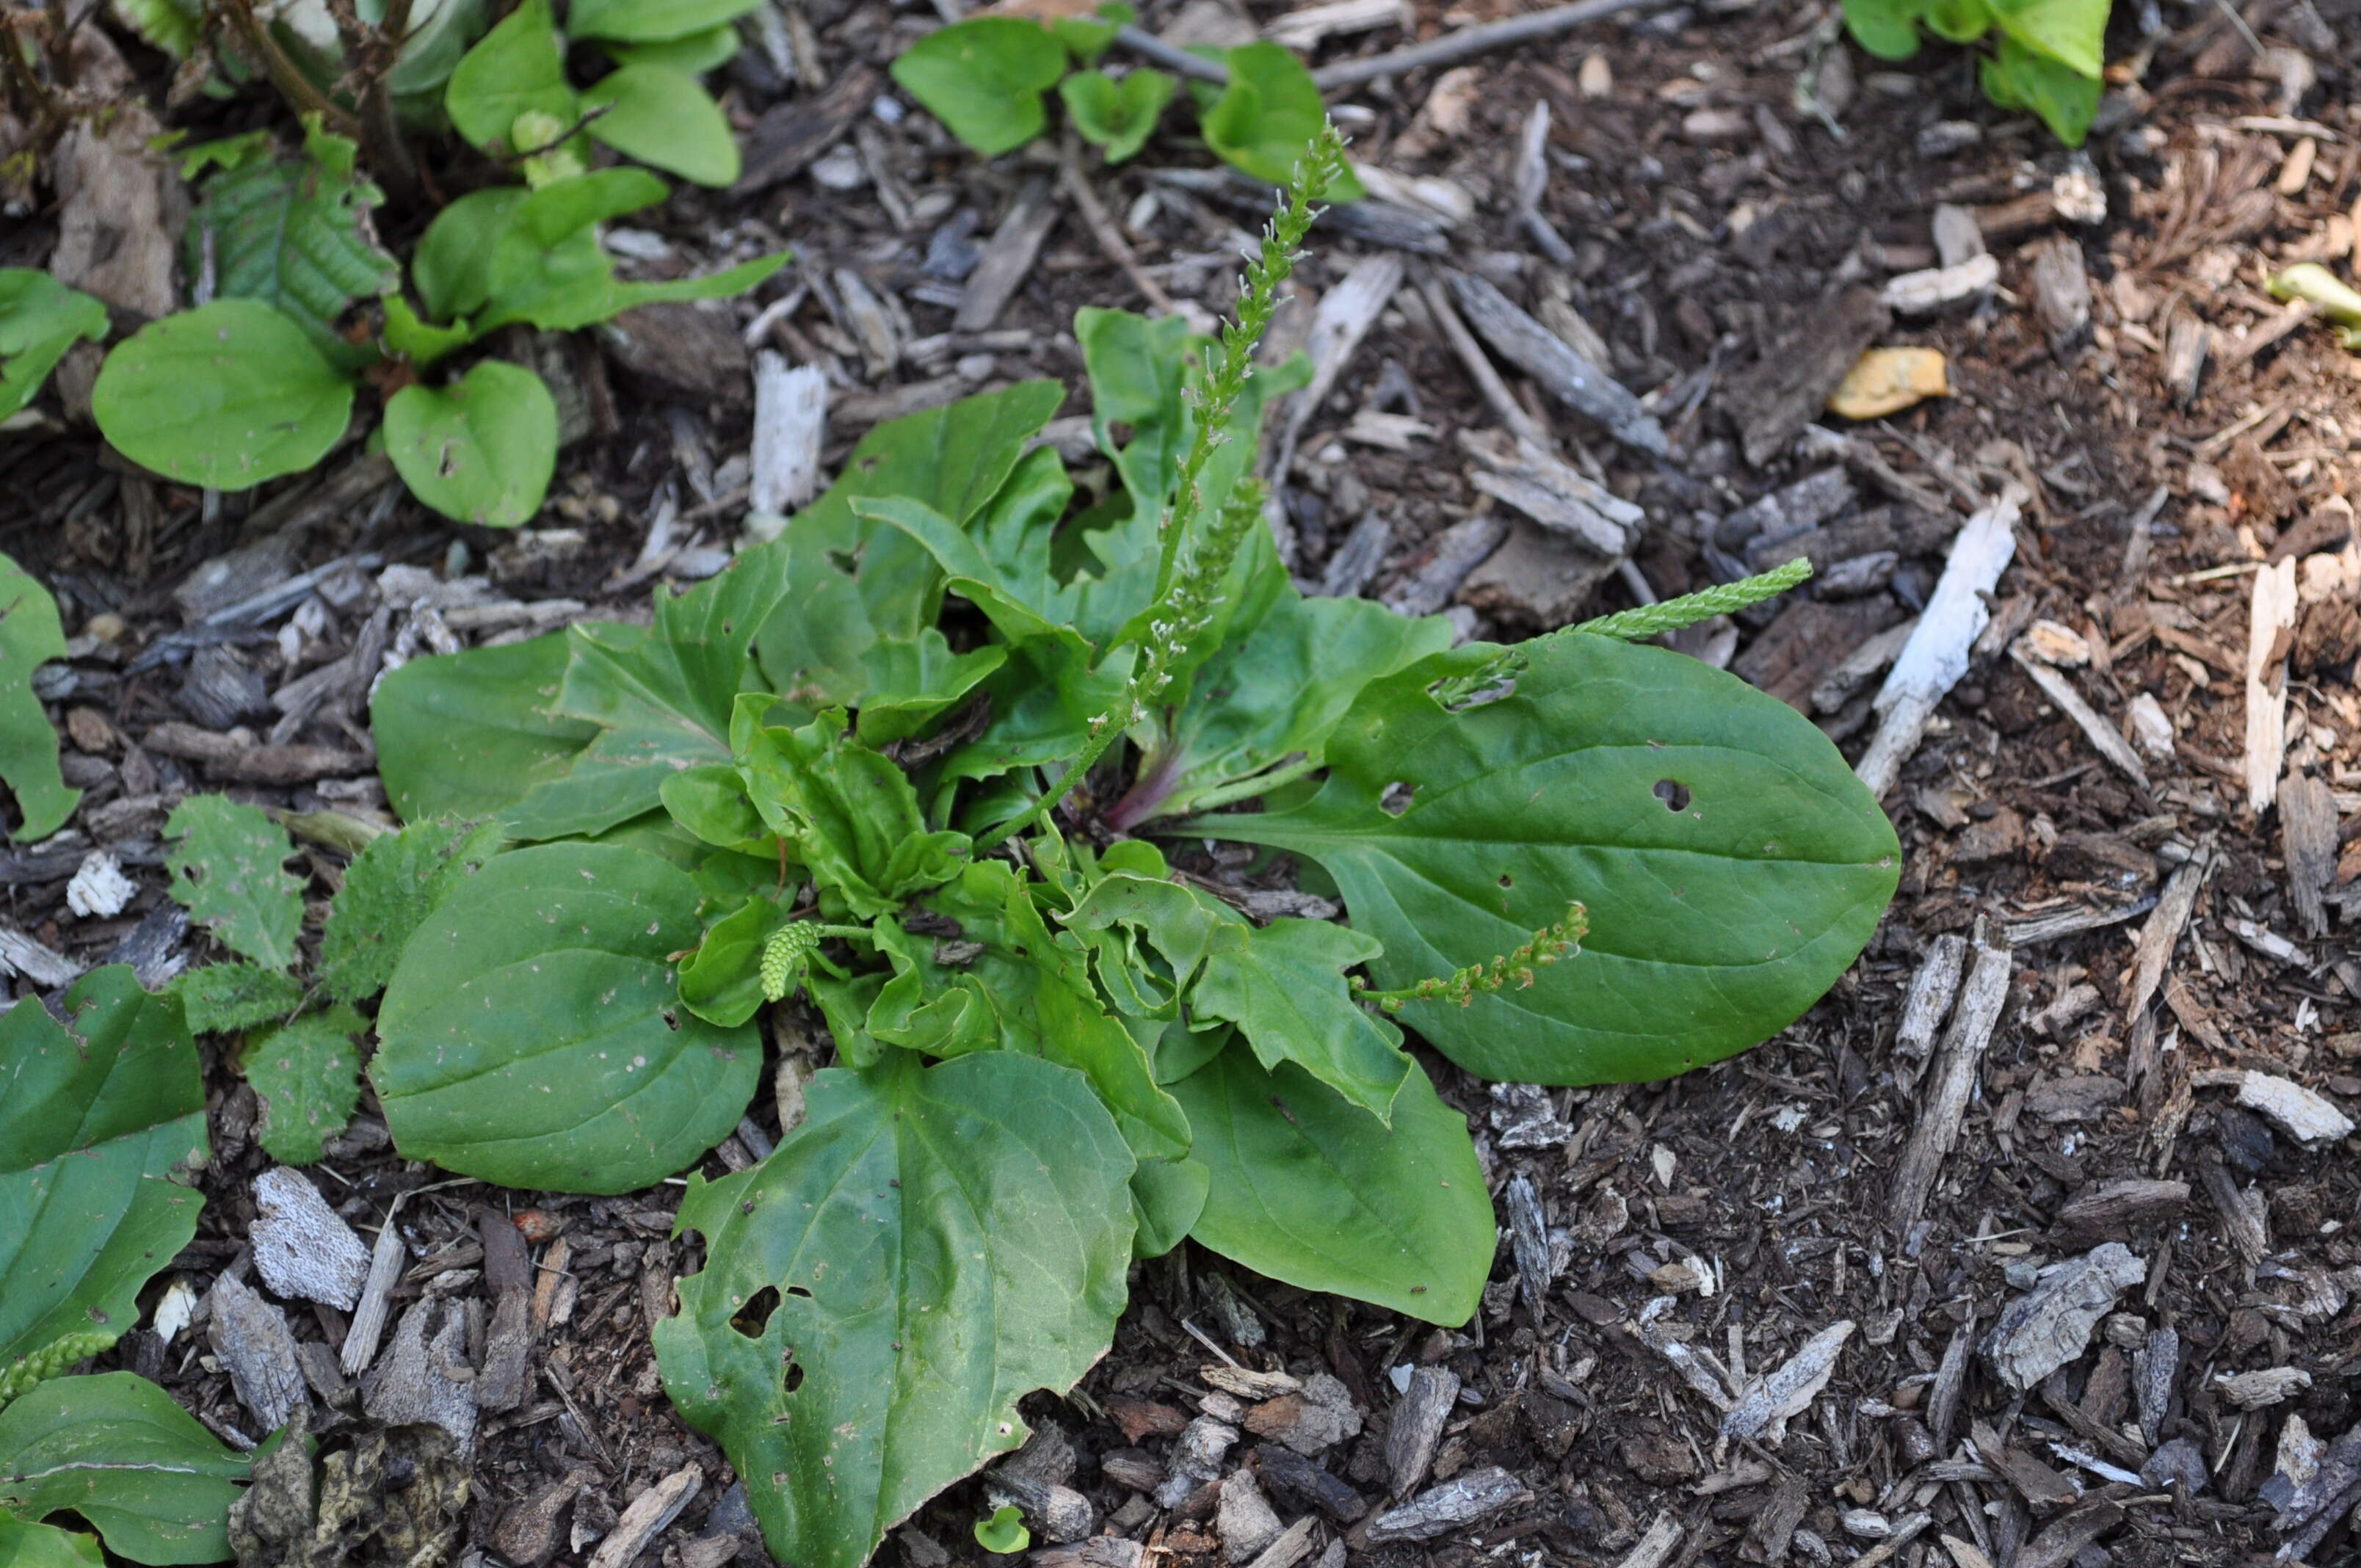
[1261,783]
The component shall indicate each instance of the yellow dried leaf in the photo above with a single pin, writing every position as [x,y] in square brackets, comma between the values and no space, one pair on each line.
[1887,380]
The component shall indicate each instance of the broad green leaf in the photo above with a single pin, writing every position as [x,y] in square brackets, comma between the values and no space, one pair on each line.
[694,53]
[645,20]
[389,889]
[710,801]
[480,450]
[295,235]
[94,1115]
[1166,1198]
[984,79]
[2072,33]
[856,582]
[1267,119]
[40,320]
[1731,864]
[226,395]
[661,116]
[115,1448]
[1958,21]
[929,1247]
[307,1075]
[517,68]
[2066,100]
[1087,37]
[1116,117]
[31,635]
[660,694]
[849,811]
[453,268]
[914,680]
[227,874]
[721,982]
[1282,984]
[533,1035]
[220,998]
[26,1545]
[1311,1190]
[1886,28]
[470,734]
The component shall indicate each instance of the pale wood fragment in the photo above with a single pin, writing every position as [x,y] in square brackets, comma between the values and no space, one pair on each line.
[1934,658]
[2270,625]
[1945,1099]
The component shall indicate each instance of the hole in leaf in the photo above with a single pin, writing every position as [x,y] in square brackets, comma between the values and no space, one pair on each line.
[795,1378]
[799,1293]
[753,1317]
[1396,798]
[672,1020]
[1508,880]
[1674,793]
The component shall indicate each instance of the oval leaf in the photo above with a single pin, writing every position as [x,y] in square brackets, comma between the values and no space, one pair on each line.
[984,79]
[226,395]
[517,68]
[662,117]
[1731,864]
[531,1035]
[116,1449]
[929,1246]
[480,450]
[1310,1189]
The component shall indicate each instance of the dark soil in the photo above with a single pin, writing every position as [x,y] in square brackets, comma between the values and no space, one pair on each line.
[1743,1209]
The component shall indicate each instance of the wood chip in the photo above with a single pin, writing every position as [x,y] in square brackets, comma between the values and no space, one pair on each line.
[1778,1399]
[1938,288]
[1928,1001]
[648,1513]
[1462,1501]
[425,1376]
[2271,613]
[253,1342]
[1535,482]
[2308,843]
[1774,400]
[1343,316]
[1934,658]
[303,1247]
[1306,28]
[386,1260]
[1416,1427]
[241,761]
[1458,551]
[45,967]
[1561,372]
[2110,1211]
[790,425]
[2052,1325]
[791,134]
[1009,255]
[1945,1099]
[2306,1116]
[2152,953]
[1655,1548]
[2105,737]
[2063,1542]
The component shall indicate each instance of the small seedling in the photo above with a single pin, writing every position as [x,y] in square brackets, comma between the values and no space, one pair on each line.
[2046,56]
[1004,1534]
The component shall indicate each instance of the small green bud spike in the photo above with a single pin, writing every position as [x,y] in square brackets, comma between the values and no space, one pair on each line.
[1656,619]
[785,956]
[47,1361]
[1559,940]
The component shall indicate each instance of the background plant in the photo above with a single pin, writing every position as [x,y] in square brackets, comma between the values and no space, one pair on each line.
[2046,55]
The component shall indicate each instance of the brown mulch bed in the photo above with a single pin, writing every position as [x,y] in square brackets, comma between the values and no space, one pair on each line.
[1723,1218]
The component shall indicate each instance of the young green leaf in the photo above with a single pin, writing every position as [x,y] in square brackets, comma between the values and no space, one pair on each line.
[1886,28]
[99,1112]
[307,1075]
[517,68]
[220,998]
[295,235]
[1731,863]
[661,116]
[420,342]
[469,734]
[1003,1533]
[913,681]
[1268,114]
[389,889]
[647,20]
[1312,1190]
[1087,37]
[45,1545]
[849,811]
[227,871]
[1958,21]
[40,320]
[2066,100]
[2072,33]
[533,1035]
[1116,117]
[984,79]
[114,1448]
[480,450]
[227,396]
[866,1321]
[453,267]
[694,53]
[30,636]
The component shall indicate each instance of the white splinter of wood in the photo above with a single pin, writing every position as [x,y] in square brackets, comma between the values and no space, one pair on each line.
[1936,654]
[1306,28]
[790,423]
[2271,612]
[2108,741]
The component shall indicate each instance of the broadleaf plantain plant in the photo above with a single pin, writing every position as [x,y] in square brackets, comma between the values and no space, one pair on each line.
[885,767]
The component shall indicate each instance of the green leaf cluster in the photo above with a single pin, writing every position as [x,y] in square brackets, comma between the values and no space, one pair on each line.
[2046,57]
[987,79]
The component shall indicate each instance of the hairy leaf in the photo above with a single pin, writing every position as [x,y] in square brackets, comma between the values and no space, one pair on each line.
[469,734]
[220,999]
[480,450]
[1731,864]
[95,1113]
[227,872]
[661,116]
[1312,1190]
[389,889]
[227,396]
[517,68]
[929,1246]
[307,1075]
[532,1035]
[630,20]
[1116,117]
[40,320]
[30,636]
[984,79]
[115,1448]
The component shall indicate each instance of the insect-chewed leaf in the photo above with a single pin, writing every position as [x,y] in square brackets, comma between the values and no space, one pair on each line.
[41,318]
[1731,864]
[1283,985]
[307,1075]
[532,1035]
[30,634]
[1313,1190]
[115,1448]
[227,871]
[929,1246]
[388,890]
[480,450]
[227,395]
[98,1112]
[220,999]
